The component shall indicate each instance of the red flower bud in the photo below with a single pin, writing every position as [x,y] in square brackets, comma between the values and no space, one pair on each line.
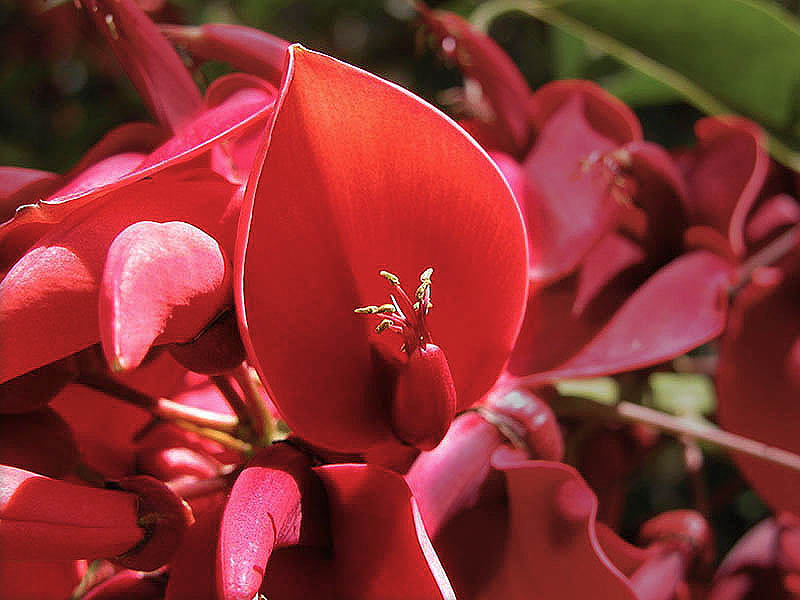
[424,401]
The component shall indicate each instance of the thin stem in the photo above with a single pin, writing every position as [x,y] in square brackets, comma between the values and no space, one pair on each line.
[162,408]
[628,412]
[233,398]
[220,437]
[256,403]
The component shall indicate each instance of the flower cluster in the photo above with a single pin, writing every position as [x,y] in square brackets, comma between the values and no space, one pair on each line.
[304,336]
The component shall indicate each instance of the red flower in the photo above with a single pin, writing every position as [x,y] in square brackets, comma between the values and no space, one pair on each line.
[92,243]
[360,177]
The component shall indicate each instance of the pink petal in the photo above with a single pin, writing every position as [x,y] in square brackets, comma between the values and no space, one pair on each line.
[161,281]
[568,207]
[270,504]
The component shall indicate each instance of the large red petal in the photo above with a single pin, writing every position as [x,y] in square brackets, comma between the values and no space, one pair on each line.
[360,176]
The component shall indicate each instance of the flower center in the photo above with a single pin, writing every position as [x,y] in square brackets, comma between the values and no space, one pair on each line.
[403,315]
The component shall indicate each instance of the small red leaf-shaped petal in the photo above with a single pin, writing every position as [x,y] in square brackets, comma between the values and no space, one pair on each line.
[155,69]
[270,504]
[48,300]
[161,281]
[374,180]
[246,49]
[369,505]
[680,307]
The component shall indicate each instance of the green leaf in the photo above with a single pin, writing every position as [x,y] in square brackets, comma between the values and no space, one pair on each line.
[682,394]
[722,56]
[604,390]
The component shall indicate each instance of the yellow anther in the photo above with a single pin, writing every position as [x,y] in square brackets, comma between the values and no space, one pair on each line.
[383,325]
[366,310]
[416,305]
[391,277]
[375,310]
[425,278]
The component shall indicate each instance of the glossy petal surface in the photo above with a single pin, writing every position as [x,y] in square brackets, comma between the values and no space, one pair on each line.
[361,176]
[368,507]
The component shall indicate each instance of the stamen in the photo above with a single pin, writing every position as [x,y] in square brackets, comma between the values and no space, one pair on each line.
[402,315]
[376,310]
[391,278]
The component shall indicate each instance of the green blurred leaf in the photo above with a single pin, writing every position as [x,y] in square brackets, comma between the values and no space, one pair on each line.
[723,56]
[604,390]
[682,394]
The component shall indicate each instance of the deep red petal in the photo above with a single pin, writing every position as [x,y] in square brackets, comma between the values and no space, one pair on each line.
[368,506]
[562,317]
[551,534]
[757,383]
[48,519]
[501,82]
[680,307]
[725,175]
[376,180]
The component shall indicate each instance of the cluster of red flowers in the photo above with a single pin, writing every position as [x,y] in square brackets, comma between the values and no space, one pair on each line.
[300,337]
